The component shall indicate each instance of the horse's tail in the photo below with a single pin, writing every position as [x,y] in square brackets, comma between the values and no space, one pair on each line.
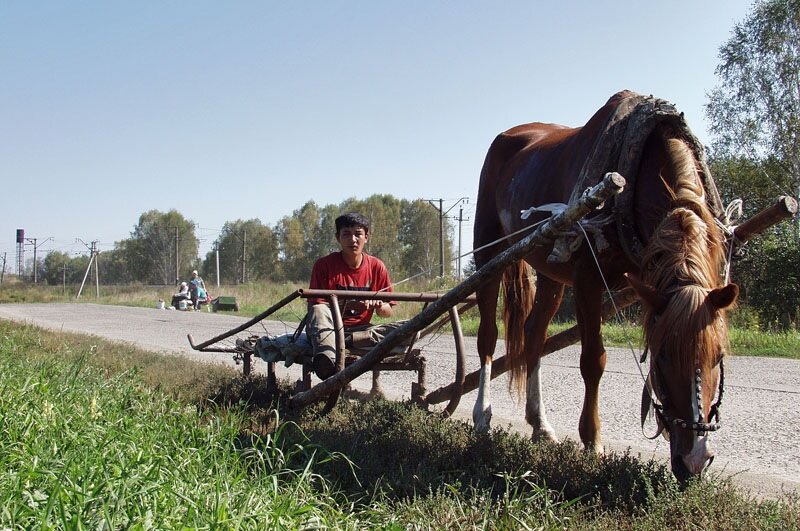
[518,293]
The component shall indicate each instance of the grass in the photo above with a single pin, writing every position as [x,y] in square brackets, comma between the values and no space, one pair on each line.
[85,449]
[747,339]
[96,434]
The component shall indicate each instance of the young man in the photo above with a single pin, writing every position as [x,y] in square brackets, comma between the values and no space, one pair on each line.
[348,269]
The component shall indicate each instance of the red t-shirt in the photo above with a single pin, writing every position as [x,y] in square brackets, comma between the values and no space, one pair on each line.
[331,272]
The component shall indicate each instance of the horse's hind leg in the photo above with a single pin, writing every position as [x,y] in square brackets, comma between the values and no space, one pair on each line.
[548,298]
[377,390]
[487,340]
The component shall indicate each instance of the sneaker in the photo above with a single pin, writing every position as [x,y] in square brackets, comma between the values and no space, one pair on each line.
[323,366]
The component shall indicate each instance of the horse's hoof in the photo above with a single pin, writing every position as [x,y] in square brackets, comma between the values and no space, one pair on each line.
[482,420]
[376,394]
[595,448]
[544,435]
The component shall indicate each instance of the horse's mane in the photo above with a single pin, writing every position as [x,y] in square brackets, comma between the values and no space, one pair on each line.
[683,260]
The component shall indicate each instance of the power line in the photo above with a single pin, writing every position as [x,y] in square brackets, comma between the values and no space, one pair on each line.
[442,214]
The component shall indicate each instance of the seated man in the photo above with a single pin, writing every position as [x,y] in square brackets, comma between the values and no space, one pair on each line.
[182,295]
[348,269]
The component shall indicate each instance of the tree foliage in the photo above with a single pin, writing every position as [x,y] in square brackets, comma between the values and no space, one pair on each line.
[304,236]
[248,251]
[162,248]
[755,118]
[404,234]
[420,235]
[755,111]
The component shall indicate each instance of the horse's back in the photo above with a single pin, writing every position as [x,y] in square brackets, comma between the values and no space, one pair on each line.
[527,165]
[537,163]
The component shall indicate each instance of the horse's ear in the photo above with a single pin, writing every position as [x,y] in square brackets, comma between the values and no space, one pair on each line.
[722,298]
[647,293]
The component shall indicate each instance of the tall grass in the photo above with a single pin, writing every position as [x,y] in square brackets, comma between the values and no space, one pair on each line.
[81,450]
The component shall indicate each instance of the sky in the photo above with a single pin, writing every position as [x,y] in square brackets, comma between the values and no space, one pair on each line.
[249,109]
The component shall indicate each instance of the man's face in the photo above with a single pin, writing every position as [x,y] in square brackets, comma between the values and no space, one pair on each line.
[352,240]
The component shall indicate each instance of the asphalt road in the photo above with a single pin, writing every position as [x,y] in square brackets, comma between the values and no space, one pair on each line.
[758,444]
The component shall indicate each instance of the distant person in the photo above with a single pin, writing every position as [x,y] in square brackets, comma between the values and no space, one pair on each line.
[182,295]
[197,288]
[348,269]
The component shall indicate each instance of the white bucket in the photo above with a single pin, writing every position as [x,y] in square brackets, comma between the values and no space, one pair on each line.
[160,304]
[182,305]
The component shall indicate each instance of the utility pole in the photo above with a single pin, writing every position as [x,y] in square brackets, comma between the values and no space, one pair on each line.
[35,247]
[92,259]
[3,272]
[442,214]
[244,256]
[216,252]
[461,218]
[177,262]
[64,279]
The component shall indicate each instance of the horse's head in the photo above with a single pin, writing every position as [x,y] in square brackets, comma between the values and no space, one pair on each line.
[686,331]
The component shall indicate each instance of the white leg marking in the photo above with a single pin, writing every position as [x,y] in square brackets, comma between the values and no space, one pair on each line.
[534,408]
[482,411]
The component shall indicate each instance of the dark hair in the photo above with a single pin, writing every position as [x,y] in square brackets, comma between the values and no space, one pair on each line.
[352,219]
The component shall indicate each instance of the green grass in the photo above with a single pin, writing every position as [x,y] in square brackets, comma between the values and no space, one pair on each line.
[747,339]
[96,434]
[81,449]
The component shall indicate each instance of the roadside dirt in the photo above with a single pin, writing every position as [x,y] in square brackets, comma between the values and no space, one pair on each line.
[757,445]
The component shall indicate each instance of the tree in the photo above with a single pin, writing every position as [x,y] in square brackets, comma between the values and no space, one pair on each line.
[155,241]
[114,265]
[755,111]
[755,119]
[55,265]
[420,237]
[385,217]
[303,237]
[248,251]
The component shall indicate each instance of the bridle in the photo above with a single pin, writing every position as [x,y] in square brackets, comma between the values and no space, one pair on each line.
[698,425]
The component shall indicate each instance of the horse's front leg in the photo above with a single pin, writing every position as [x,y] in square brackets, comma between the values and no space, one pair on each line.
[548,298]
[588,302]
[487,340]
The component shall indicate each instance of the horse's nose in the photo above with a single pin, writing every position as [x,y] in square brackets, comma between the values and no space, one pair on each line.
[700,457]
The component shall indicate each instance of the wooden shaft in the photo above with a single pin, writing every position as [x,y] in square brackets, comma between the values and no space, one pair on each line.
[275,307]
[376,295]
[784,208]
[458,384]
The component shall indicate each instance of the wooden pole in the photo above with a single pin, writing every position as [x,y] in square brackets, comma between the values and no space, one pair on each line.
[784,208]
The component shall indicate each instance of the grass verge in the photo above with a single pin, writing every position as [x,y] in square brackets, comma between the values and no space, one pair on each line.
[96,434]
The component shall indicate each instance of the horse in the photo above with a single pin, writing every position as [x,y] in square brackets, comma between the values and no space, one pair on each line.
[660,237]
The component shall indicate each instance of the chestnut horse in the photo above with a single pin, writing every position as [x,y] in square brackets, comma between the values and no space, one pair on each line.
[661,238]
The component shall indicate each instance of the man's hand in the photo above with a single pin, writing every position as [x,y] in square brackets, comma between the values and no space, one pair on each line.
[382,308]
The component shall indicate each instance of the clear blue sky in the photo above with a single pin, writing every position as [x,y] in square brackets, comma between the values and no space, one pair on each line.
[229,110]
